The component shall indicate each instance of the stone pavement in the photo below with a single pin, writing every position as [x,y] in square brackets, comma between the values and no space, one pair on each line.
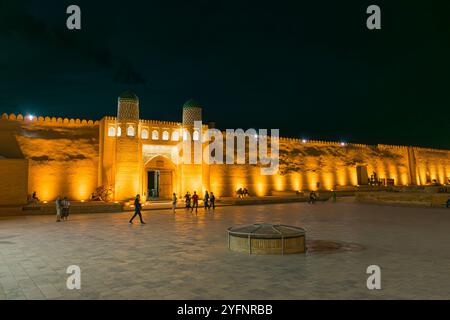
[184,256]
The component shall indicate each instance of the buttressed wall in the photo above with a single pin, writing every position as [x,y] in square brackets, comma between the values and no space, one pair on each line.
[315,165]
[62,154]
[15,171]
[73,157]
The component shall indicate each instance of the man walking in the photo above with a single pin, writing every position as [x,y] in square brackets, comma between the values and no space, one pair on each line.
[195,202]
[137,209]
[206,200]
[212,201]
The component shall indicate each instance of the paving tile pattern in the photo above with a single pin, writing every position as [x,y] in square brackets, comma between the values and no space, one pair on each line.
[184,256]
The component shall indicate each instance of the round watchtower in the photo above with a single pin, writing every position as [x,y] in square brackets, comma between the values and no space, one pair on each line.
[128,107]
[192,111]
[128,148]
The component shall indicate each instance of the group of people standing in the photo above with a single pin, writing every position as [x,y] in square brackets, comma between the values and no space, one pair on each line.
[209,201]
[62,209]
[242,192]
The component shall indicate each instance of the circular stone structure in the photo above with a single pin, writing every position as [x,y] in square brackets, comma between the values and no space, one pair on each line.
[266,238]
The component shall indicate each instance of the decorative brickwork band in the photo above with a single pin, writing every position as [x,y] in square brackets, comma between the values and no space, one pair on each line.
[128,107]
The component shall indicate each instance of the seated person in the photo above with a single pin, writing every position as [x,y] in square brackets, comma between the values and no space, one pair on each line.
[312,197]
[34,198]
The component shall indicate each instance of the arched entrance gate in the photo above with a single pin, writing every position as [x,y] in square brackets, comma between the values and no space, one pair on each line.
[159,178]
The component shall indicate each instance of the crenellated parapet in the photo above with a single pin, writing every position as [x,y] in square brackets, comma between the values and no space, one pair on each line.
[41,120]
[391,146]
[354,145]
[161,123]
[430,149]
[415,148]
[322,142]
[149,122]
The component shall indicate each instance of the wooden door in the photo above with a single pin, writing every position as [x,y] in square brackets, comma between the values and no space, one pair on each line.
[165,184]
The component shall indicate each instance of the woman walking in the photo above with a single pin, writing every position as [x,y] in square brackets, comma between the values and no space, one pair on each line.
[58,203]
[187,197]
[65,209]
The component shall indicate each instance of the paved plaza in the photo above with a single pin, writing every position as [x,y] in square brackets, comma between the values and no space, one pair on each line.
[184,256]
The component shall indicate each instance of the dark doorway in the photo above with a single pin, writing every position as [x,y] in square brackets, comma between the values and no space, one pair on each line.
[152,184]
[361,173]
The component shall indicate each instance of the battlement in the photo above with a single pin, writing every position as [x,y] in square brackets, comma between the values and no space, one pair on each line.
[161,123]
[324,143]
[150,122]
[52,121]
[356,145]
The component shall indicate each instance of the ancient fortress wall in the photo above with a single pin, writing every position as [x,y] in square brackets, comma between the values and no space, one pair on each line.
[432,165]
[332,164]
[15,173]
[63,154]
[315,165]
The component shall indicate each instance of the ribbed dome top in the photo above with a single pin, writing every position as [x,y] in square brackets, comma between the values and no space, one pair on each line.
[128,95]
[191,104]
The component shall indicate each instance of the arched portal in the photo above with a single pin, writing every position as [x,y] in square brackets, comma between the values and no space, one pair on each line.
[159,178]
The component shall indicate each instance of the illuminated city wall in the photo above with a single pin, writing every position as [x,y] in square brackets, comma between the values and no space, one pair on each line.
[62,153]
[13,170]
[334,165]
[313,165]
[71,157]
[432,165]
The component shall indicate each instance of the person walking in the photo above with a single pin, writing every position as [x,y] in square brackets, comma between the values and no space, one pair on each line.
[212,201]
[58,203]
[187,197]
[65,209]
[137,209]
[174,202]
[195,202]
[206,200]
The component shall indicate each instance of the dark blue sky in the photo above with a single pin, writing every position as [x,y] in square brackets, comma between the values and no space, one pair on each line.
[311,69]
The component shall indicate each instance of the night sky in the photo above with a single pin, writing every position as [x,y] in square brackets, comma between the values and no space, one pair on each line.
[310,68]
